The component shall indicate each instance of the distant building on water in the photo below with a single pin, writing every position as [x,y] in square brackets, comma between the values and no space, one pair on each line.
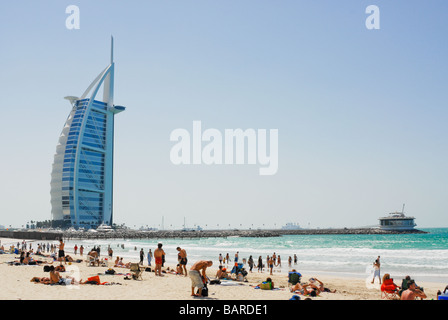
[291,226]
[82,173]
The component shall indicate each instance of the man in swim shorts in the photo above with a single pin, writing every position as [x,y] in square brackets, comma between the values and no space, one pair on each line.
[183,259]
[61,253]
[158,256]
[197,271]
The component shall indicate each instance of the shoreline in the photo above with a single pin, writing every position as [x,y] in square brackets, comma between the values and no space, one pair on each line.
[16,284]
[130,254]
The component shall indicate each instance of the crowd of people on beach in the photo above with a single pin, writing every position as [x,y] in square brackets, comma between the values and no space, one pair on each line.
[48,254]
[271,261]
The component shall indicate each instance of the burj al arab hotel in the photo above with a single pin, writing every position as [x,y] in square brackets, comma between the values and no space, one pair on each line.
[82,174]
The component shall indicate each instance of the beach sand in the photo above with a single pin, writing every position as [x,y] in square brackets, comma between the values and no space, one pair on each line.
[15,284]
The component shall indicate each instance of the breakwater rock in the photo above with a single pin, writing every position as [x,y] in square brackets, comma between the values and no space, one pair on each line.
[179,234]
[31,235]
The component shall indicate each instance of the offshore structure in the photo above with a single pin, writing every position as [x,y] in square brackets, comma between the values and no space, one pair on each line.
[82,173]
[397,221]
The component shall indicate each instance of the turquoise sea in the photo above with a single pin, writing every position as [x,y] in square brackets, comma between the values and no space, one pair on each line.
[422,256]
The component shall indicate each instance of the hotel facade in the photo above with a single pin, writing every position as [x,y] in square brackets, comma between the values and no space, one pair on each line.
[82,173]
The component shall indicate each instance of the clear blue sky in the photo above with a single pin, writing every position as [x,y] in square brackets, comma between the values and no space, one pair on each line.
[362,114]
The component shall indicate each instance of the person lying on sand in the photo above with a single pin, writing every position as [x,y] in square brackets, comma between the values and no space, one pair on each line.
[43,280]
[69,258]
[306,289]
[30,261]
[320,285]
[179,269]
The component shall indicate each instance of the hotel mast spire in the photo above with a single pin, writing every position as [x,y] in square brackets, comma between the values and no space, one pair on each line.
[111,49]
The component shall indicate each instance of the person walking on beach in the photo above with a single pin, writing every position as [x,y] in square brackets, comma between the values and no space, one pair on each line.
[183,259]
[81,250]
[149,257]
[376,270]
[158,255]
[251,263]
[142,254]
[220,259]
[75,249]
[295,258]
[260,264]
[271,265]
[227,258]
[198,276]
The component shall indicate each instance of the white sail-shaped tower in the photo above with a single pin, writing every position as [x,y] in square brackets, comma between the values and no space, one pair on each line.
[82,173]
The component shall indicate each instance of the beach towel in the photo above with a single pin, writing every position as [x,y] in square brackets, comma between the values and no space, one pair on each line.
[95,280]
[230,283]
[115,274]
[215,281]
[275,289]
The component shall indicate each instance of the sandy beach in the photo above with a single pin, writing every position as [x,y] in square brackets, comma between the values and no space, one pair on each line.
[15,284]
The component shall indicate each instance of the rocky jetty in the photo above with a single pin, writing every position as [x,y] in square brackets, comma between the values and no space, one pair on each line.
[179,234]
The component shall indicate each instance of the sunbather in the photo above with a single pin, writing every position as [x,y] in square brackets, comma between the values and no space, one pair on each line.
[412,292]
[179,269]
[55,277]
[221,273]
[43,280]
[60,268]
[388,284]
[93,257]
[320,285]
[121,264]
[69,258]
[267,285]
[306,289]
